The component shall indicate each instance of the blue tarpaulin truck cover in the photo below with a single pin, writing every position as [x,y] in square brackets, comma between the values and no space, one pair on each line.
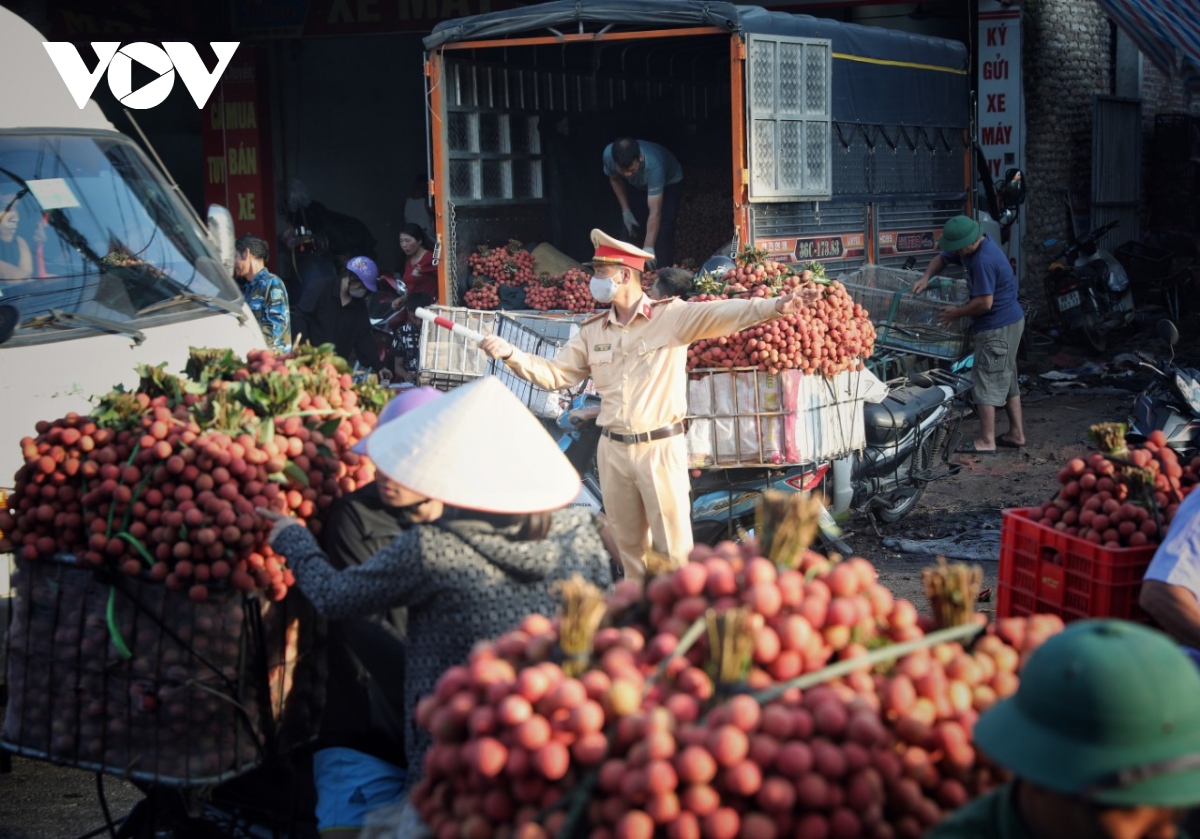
[881,76]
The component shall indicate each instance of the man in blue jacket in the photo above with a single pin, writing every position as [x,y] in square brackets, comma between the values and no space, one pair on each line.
[998,321]
[265,292]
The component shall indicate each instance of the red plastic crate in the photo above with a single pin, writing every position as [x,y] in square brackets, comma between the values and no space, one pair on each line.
[1045,571]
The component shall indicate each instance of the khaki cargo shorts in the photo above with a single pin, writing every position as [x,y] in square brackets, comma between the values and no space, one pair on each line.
[995,370]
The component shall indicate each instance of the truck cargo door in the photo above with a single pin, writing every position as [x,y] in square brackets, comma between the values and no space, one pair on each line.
[789,118]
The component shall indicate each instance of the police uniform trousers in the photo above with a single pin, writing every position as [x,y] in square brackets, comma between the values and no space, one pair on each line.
[647,499]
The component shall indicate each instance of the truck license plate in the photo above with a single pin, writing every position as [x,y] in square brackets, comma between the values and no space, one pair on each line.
[1068,301]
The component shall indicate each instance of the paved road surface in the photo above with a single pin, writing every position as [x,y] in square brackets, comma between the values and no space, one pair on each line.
[42,801]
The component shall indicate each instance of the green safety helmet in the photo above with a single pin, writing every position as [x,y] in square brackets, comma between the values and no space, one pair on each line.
[1107,710]
[959,232]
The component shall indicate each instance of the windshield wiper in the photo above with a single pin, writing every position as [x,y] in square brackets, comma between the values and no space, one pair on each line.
[192,297]
[56,316]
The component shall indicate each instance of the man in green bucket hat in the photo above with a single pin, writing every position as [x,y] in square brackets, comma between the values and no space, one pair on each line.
[998,321]
[1102,736]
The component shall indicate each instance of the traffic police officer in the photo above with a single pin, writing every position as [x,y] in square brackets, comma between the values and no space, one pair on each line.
[636,354]
[1102,736]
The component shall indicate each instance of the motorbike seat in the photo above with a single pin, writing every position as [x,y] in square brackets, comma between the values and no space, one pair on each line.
[903,407]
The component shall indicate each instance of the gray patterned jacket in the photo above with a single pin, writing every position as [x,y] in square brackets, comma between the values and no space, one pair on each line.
[463,581]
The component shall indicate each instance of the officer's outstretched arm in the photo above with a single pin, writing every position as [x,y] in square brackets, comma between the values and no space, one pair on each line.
[567,369]
[696,321]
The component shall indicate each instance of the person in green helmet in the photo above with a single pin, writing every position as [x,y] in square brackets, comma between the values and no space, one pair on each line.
[1102,738]
[999,322]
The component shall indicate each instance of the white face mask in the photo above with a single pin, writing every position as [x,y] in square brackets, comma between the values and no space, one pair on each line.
[603,289]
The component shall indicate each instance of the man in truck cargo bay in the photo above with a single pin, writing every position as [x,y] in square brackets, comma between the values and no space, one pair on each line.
[636,354]
[649,168]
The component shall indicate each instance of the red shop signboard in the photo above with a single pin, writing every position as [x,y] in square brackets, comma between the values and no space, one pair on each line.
[237,146]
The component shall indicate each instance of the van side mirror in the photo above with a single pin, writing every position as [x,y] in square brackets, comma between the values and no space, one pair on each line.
[9,318]
[1012,191]
[220,227]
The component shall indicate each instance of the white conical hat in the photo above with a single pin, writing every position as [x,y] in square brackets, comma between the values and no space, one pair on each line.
[402,403]
[478,447]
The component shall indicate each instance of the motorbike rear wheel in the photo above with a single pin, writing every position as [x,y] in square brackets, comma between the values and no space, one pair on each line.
[1090,330]
[709,532]
[899,503]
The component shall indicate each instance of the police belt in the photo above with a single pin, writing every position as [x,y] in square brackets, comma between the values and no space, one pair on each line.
[646,436]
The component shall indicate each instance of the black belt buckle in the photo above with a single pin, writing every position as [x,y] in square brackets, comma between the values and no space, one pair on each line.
[617,437]
[626,439]
[644,436]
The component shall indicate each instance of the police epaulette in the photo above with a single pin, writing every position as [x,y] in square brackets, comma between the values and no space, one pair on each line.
[597,316]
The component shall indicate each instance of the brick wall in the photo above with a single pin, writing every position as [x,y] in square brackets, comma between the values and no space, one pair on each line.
[1162,95]
[1067,47]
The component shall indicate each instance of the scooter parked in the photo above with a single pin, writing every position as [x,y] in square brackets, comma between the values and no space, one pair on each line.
[1088,291]
[1171,403]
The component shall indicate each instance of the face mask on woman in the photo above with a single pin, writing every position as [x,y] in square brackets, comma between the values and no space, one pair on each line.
[351,289]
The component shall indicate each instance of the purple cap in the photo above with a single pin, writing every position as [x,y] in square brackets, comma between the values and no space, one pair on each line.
[400,405]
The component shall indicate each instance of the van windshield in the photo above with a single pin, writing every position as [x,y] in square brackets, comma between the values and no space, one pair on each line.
[89,231]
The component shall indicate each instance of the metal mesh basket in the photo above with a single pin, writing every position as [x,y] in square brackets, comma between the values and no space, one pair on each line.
[1145,263]
[538,335]
[941,289]
[556,326]
[132,679]
[448,360]
[908,322]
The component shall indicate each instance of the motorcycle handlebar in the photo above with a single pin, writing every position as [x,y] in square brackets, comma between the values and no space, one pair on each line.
[1076,247]
[1101,230]
[1152,367]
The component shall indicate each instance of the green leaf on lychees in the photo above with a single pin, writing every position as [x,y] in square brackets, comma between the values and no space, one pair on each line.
[137,545]
[295,474]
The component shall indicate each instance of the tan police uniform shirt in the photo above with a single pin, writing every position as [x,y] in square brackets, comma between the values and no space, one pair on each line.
[640,369]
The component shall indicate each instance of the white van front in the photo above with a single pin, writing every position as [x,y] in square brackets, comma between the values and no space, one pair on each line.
[119,274]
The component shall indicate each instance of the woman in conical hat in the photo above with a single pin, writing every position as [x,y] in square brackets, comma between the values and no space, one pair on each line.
[507,539]
[359,761]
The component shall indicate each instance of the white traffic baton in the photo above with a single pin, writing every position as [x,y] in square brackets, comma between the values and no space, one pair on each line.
[456,328]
